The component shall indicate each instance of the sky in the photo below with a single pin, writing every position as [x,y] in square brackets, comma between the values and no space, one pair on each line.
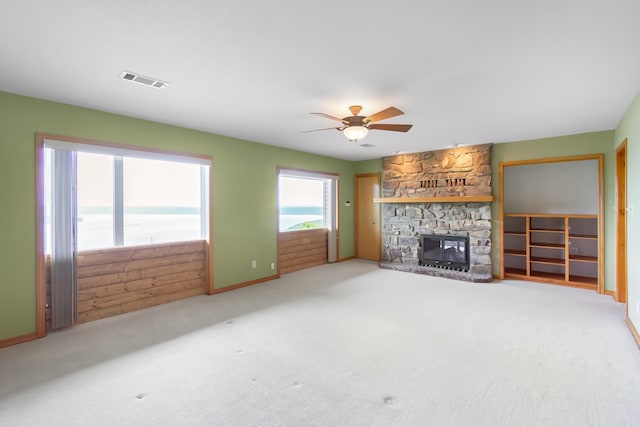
[147,182]
[160,183]
[300,192]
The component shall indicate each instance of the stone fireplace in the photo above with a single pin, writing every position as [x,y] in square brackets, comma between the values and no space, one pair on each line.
[444,192]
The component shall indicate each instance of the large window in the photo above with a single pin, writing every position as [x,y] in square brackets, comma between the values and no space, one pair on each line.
[127,198]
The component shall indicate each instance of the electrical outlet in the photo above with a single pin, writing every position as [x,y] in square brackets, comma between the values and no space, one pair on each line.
[254,264]
[273,266]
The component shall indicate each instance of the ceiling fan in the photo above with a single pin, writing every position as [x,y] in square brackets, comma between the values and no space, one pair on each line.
[356,127]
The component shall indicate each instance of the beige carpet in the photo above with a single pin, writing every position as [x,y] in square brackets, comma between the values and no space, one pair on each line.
[338,345]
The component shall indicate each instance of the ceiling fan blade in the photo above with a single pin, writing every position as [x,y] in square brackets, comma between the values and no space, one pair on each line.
[316,130]
[329,117]
[384,114]
[395,128]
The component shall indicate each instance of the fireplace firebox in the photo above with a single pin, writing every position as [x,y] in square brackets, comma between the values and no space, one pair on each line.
[444,251]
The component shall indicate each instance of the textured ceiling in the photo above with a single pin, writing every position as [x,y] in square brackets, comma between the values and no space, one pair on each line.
[464,72]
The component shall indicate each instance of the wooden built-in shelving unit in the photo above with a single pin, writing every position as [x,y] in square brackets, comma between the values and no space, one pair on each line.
[561,249]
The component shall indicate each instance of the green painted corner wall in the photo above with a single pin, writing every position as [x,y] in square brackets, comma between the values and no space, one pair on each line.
[244,193]
[562,146]
[369,166]
[629,128]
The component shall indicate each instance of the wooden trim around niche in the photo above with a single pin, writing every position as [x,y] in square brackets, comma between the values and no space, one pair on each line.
[578,158]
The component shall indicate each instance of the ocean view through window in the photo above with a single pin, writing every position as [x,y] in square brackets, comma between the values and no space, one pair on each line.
[301,203]
[131,200]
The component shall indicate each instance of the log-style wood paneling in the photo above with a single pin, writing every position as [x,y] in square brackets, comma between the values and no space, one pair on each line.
[119,280]
[302,249]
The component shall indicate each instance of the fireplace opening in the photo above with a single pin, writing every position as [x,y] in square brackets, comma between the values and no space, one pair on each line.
[444,251]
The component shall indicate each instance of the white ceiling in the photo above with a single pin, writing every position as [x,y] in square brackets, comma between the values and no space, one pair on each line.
[463,71]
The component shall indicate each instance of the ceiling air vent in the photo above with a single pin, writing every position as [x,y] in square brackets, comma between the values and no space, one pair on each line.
[367,145]
[143,80]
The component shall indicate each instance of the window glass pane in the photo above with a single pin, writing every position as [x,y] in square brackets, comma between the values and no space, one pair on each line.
[301,203]
[161,201]
[95,201]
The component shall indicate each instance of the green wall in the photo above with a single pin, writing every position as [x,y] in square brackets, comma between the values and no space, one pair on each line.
[244,190]
[629,127]
[561,146]
[369,166]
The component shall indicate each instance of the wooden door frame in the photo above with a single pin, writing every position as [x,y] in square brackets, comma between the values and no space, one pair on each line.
[364,175]
[621,223]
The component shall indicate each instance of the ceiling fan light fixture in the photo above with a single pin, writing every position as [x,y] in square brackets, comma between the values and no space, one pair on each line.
[355,133]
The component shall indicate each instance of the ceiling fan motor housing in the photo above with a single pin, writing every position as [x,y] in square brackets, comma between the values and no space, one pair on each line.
[355,121]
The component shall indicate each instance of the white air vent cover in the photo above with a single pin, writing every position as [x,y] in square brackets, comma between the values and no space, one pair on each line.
[143,80]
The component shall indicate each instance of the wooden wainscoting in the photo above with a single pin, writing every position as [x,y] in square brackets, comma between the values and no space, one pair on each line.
[119,280]
[302,249]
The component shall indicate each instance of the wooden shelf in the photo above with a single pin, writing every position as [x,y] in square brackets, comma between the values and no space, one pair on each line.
[515,252]
[549,276]
[544,260]
[547,245]
[584,280]
[583,236]
[546,230]
[515,272]
[444,199]
[565,234]
[581,258]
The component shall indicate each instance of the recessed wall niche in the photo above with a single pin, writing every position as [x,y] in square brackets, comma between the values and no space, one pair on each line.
[551,220]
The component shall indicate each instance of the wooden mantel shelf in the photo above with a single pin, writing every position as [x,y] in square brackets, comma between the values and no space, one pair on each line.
[445,199]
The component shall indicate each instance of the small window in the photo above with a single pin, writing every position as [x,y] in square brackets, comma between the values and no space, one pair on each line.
[302,203]
[308,200]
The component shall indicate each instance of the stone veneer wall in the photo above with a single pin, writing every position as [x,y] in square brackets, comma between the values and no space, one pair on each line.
[461,171]
[404,222]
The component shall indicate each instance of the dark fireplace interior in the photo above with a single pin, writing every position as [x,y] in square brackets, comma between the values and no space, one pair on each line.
[444,251]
